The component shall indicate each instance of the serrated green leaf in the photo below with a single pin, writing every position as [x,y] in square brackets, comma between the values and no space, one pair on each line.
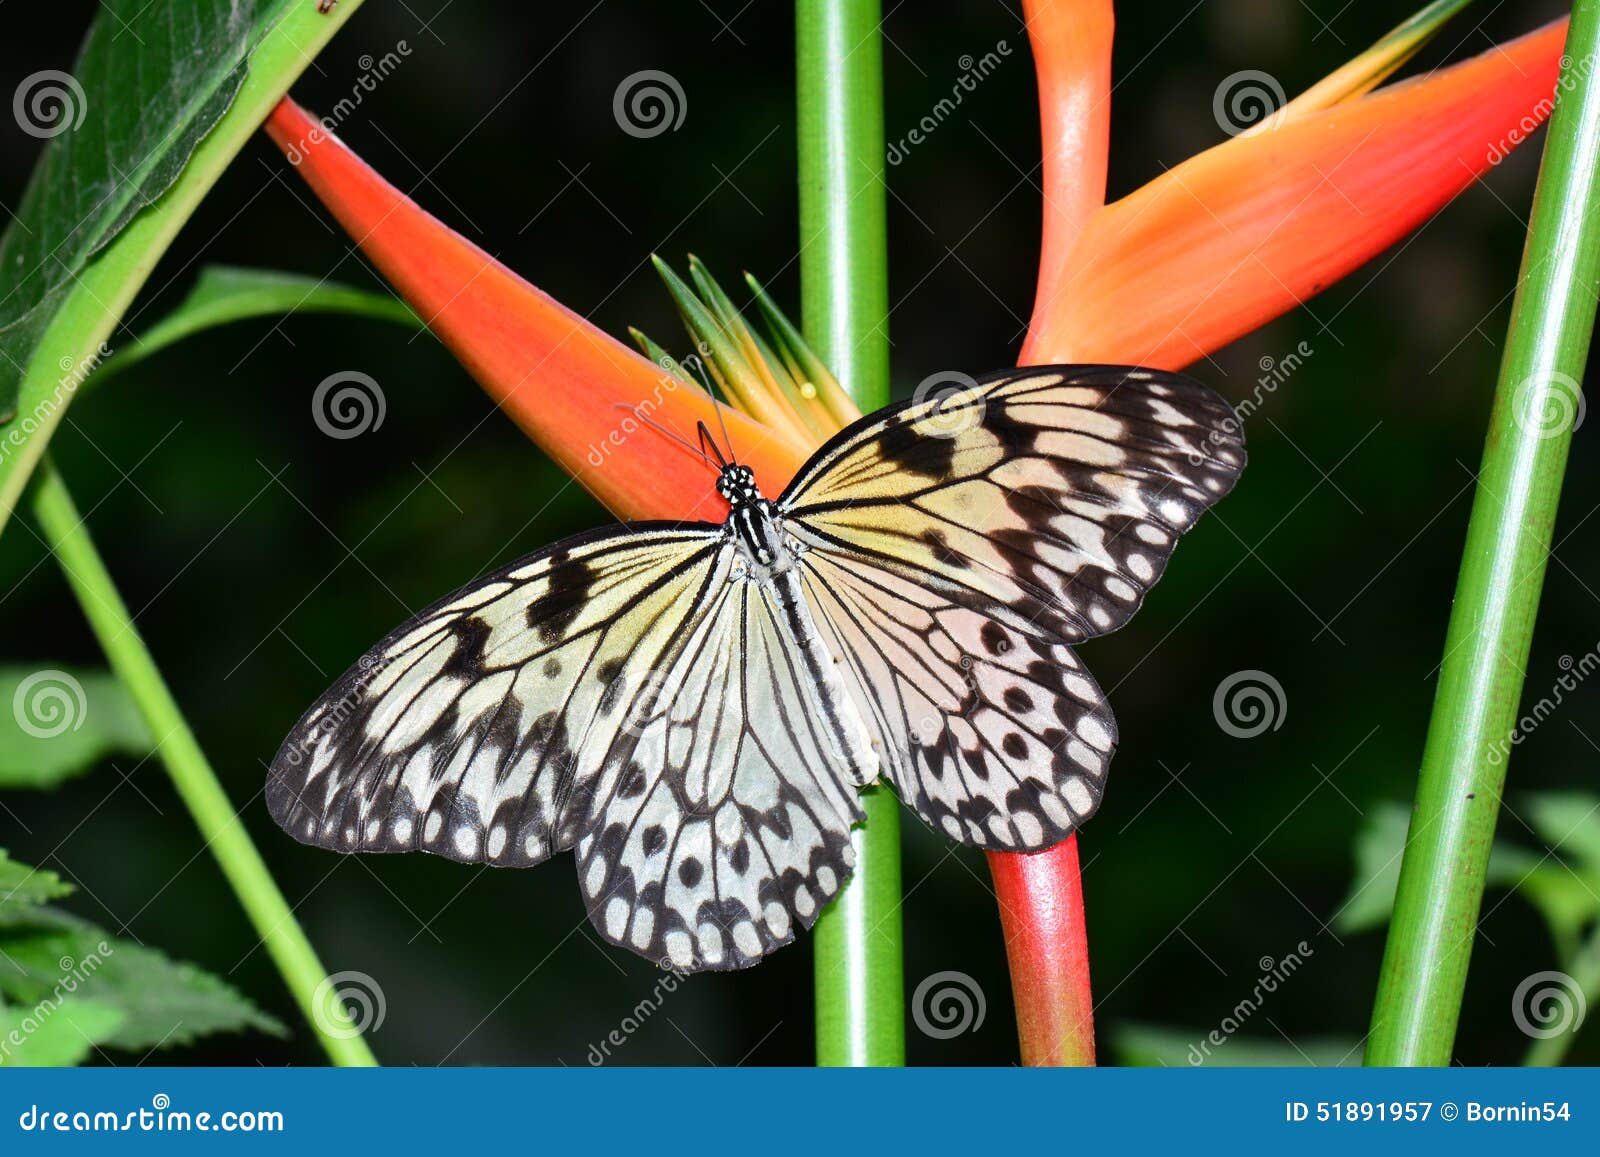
[56,1035]
[56,723]
[150,81]
[164,1002]
[1156,1045]
[23,889]
[226,293]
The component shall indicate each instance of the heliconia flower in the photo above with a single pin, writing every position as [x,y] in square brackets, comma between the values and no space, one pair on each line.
[1212,249]
[1231,238]
[575,390]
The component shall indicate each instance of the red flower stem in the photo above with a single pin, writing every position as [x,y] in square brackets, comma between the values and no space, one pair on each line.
[1047,948]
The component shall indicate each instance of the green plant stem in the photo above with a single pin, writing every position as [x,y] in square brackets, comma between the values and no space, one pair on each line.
[102,294]
[1497,594]
[191,774]
[860,994]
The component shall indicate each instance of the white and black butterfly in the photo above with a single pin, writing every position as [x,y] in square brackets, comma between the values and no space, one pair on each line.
[694,706]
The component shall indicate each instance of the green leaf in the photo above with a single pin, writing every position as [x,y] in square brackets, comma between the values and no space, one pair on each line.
[150,81]
[1563,890]
[57,723]
[23,889]
[1153,1045]
[1379,844]
[56,1035]
[226,293]
[1569,822]
[163,1002]
[61,325]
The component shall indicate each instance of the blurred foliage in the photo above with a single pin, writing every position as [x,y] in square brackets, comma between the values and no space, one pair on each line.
[71,989]
[62,723]
[260,556]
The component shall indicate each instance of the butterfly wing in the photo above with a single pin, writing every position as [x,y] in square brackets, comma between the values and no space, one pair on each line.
[954,547]
[476,729]
[618,693]
[727,824]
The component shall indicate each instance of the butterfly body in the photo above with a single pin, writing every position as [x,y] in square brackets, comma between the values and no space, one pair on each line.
[693,708]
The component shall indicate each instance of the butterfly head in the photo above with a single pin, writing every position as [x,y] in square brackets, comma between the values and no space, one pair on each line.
[738,485]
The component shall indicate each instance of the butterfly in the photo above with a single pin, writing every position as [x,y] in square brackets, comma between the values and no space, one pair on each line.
[694,707]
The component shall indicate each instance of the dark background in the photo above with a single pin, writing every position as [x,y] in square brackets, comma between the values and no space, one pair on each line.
[262,557]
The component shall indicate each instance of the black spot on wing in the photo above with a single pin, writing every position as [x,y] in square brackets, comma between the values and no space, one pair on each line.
[929,455]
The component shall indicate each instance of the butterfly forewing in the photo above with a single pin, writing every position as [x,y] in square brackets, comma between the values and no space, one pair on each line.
[477,729]
[1056,493]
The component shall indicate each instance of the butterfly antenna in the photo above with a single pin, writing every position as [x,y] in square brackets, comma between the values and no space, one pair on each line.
[707,440]
[726,441]
[671,434]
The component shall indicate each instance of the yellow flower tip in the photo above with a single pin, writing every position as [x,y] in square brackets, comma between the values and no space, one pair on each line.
[1368,70]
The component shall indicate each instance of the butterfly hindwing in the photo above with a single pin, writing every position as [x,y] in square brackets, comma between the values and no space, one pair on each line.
[728,825]
[955,548]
